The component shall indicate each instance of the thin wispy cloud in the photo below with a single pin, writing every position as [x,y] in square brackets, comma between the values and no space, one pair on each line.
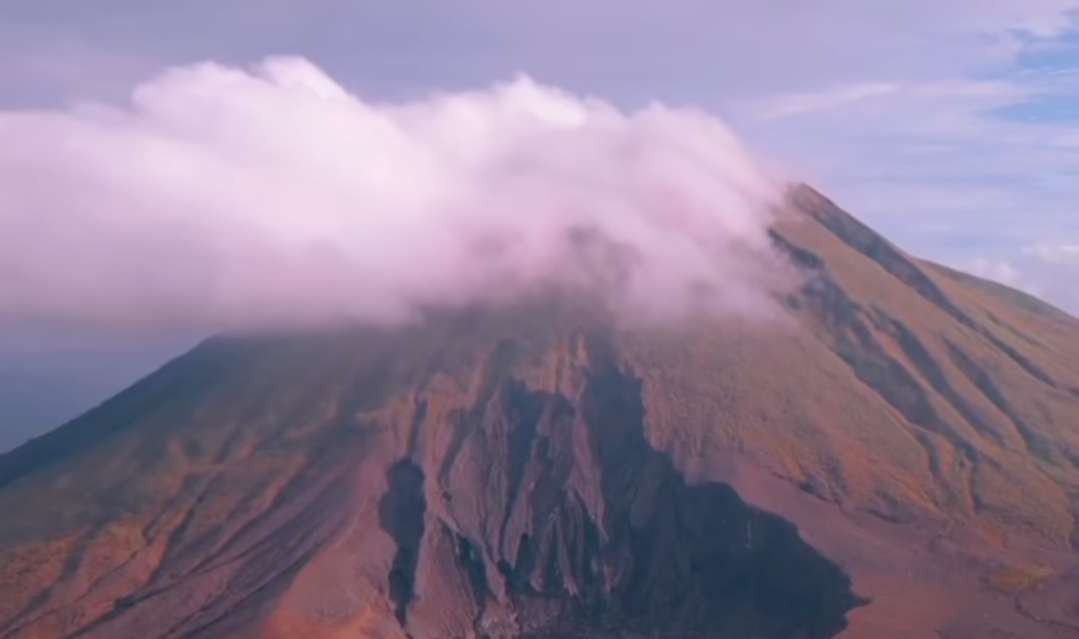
[1054,253]
[785,106]
[967,160]
[849,97]
[996,270]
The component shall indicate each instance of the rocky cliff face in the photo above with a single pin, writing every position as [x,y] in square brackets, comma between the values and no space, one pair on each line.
[562,520]
[897,456]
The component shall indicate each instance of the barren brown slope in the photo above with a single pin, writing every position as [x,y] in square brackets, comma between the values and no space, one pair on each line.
[539,473]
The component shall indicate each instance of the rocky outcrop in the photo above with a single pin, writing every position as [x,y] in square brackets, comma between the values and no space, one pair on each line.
[568,523]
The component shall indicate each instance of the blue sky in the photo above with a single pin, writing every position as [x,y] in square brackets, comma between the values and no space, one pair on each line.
[951,126]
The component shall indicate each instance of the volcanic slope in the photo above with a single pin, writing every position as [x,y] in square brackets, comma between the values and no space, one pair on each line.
[896,456]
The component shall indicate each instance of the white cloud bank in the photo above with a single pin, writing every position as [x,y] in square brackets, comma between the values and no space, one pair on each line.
[229,198]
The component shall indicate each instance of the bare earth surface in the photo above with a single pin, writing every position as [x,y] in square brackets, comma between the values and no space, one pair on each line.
[896,457]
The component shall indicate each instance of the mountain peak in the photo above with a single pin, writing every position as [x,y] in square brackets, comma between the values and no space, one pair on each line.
[894,458]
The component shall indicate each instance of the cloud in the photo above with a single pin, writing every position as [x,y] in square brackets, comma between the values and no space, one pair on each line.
[854,95]
[996,270]
[783,106]
[1054,253]
[222,197]
[945,166]
[1021,277]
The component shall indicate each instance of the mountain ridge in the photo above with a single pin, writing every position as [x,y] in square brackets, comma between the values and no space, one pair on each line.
[916,428]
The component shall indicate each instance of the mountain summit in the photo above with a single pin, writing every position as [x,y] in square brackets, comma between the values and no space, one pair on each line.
[897,455]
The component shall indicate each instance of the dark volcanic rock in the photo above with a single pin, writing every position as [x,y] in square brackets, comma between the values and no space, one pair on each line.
[632,548]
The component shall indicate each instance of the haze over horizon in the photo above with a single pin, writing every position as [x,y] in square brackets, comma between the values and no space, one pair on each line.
[957,137]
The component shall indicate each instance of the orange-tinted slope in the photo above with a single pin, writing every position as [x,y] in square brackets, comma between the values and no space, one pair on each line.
[538,472]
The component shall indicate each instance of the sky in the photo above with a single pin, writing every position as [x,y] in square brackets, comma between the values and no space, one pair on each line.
[950,126]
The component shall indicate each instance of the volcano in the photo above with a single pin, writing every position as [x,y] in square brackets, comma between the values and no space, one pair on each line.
[898,456]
